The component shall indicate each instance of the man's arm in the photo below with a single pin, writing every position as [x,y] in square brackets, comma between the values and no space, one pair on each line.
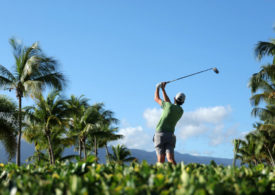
[165,96]
[157,98]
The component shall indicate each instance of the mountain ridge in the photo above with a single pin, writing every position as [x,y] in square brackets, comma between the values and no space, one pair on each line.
[28,149]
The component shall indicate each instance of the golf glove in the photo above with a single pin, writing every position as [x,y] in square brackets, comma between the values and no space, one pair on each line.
[158,85]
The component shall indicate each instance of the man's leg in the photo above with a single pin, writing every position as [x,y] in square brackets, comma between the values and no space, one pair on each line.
[170,158]
[161,158]
[159,146]
[170,146]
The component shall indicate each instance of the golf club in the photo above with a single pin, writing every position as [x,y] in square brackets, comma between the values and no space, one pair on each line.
[214,69]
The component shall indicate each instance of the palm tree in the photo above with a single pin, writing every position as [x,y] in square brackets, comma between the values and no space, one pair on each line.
[8,123]
[77,107]
[121,154]
[32,133]
[60,141]
[109,136]
[88,124]
[49,113]
[265,78]
[31,73]
[258,146]
[106,132]
[249,150]
[91,122]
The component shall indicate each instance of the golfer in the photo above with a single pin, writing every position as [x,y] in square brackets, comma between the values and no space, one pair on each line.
[164,138]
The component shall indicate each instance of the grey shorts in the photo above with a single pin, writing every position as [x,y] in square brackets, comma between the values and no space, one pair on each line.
[164,142]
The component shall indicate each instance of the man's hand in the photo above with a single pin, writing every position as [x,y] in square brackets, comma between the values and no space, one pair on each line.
[163,85]
[159,85]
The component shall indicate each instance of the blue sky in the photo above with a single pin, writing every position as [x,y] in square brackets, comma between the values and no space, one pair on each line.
[117,51]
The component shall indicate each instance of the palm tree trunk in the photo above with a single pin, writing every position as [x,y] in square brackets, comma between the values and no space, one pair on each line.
[50,155]
[107,153]
[234,160]
[50,149]
[80,149]
[271,158]
[84,149]
[18,155]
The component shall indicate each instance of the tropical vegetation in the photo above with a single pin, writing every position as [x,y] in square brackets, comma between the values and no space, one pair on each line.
[54,122]
[89,177]
[31,72]
[259,145]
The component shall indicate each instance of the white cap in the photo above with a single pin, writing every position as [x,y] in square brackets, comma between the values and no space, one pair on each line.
[180,97]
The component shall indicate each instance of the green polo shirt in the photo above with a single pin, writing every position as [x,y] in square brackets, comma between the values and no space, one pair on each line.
[171,114]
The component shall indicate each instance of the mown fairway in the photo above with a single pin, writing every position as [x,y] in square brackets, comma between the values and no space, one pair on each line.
[91,178]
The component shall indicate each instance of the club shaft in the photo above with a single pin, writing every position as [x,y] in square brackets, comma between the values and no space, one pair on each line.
[189,75]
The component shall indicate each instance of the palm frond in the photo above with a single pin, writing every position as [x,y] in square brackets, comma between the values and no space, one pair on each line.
[258,98]
[121,154]
[261,112]
[263,79]
[68,157]
[30,68]
[8,136]
[55,80]
[6,73]
[33,88]
[264,49]
[7,105]
[5,83]
[131,159]
[8,124]
[38,65]
[17,48]
[28,56]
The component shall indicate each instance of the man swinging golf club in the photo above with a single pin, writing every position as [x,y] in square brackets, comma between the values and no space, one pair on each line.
[164,138]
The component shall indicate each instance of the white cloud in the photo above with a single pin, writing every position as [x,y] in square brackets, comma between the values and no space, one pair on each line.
[135,138]
[192,130]
[195,153]
[212,115]
[200,153]
[152,117]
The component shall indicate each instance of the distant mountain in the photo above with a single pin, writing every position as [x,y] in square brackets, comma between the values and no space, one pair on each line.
[150,157]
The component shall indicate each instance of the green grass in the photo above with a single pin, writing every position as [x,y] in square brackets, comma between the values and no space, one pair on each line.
[91,178]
